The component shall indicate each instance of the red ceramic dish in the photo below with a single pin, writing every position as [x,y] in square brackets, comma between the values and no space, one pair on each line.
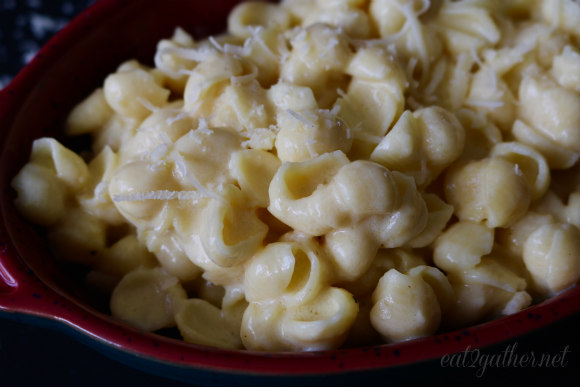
[71,65]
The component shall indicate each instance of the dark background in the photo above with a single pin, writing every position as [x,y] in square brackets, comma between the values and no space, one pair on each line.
[25,25]
[33,355]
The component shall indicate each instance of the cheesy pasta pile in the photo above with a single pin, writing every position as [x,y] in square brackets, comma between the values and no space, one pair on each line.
[327,173]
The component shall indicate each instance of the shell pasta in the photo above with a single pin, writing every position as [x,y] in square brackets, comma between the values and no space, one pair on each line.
[327,173]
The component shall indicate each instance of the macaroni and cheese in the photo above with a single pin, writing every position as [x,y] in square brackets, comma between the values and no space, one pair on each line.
[327,173]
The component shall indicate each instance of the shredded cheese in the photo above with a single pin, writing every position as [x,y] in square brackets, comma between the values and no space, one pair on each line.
[157,195]
[484,103]
[301,118]
[256,37]
[309,146]
[148,105]
[190,177]
[241,79]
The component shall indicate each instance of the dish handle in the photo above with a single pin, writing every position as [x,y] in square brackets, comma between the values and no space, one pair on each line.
[21,291]
[16,281]
[7,281]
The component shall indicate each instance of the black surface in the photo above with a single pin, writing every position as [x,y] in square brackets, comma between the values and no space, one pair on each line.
[38,356]
[25,25]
